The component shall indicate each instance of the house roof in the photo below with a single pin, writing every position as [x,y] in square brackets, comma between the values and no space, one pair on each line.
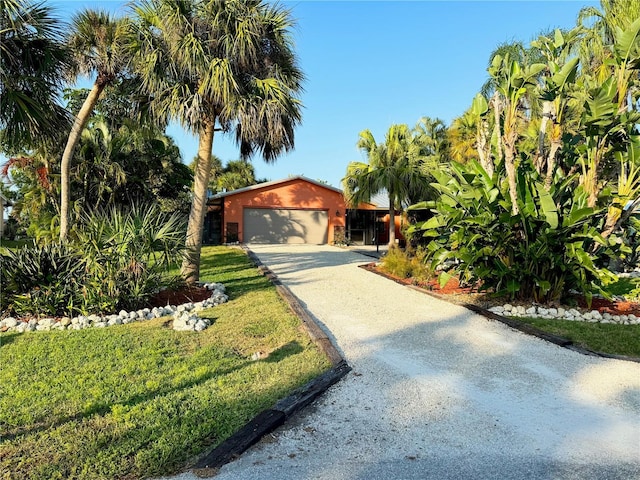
[379,201]
[274,183]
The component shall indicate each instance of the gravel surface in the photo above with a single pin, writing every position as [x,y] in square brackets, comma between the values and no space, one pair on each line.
[438,392]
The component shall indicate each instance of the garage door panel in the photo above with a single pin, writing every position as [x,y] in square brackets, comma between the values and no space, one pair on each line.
[285,226]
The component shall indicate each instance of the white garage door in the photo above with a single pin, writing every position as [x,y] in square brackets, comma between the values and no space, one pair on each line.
[266,225]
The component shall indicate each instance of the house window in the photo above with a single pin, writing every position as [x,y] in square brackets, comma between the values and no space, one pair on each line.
[232,232]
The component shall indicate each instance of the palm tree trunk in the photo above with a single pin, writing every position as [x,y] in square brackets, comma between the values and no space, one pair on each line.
[74,136]
[392,223]
[191,263]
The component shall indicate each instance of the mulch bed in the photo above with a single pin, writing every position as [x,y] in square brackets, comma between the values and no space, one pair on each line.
[452,290]
[179,296]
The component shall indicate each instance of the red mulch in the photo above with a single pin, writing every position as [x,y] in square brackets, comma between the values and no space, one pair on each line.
[453,288]
[179,296]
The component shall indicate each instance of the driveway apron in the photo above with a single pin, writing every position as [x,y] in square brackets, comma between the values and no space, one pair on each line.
[439,392]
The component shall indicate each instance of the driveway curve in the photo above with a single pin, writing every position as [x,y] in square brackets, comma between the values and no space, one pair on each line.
[439,392]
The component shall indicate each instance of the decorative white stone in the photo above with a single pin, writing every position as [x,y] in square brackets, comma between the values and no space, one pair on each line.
[531,311]
[521,310]
[99,324]
[9,322]
[123,314]
[46,322]
[498,309]
[65,321]
[133,315]
[553,312]
[508,307]
[561,312]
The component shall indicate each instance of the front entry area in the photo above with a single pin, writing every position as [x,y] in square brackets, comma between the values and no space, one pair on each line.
[283,225]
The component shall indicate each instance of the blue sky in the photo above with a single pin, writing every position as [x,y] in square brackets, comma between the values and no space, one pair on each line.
[370,64]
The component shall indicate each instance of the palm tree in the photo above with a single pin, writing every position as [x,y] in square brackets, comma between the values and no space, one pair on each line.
[395,166]
[600,27]
[33,63]
[98,43]
[237,174]
[220,66]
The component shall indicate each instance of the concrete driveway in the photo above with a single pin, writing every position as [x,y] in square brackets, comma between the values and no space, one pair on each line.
[438,392]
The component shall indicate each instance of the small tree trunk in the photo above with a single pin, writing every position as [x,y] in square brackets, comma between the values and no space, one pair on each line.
[497,112]
[191,263]
[74,136]
[483,146]
[510,166]
[551,161]
[547,113]
[392,223]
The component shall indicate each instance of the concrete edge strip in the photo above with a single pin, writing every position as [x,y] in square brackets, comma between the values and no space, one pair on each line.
[270,419]
[513,323]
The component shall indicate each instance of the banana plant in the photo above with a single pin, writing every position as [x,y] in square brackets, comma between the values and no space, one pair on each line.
[480,110]
[559,82]
[512,83]
[542,252]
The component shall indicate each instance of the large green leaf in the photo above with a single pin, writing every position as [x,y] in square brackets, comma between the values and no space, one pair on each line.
[567,74]
[479,106]
[628,41]
[548,206]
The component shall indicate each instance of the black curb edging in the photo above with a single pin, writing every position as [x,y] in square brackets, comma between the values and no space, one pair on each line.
[270,419]
[515,324]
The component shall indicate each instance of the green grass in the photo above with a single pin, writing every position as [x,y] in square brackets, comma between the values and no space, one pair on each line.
[141,400]
[598,337]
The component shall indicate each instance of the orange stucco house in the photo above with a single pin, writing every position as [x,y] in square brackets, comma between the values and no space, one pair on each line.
[292,210]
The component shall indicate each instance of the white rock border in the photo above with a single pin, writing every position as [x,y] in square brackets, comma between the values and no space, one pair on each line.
[593,316]
[185,316]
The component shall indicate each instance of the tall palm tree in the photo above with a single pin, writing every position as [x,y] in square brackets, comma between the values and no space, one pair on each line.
[395,166]
[98,43]
[226,66]
[33,64]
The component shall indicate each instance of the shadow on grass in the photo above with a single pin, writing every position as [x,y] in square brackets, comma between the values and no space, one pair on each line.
[279,354]
[7,338]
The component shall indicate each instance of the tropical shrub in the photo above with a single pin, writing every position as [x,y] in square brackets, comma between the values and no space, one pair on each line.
[409,263]
[128,252]
[42,279]
[116,259]
[552,246]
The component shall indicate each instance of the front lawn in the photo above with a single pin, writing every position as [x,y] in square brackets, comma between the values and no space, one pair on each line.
[598,337]
[142,400]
